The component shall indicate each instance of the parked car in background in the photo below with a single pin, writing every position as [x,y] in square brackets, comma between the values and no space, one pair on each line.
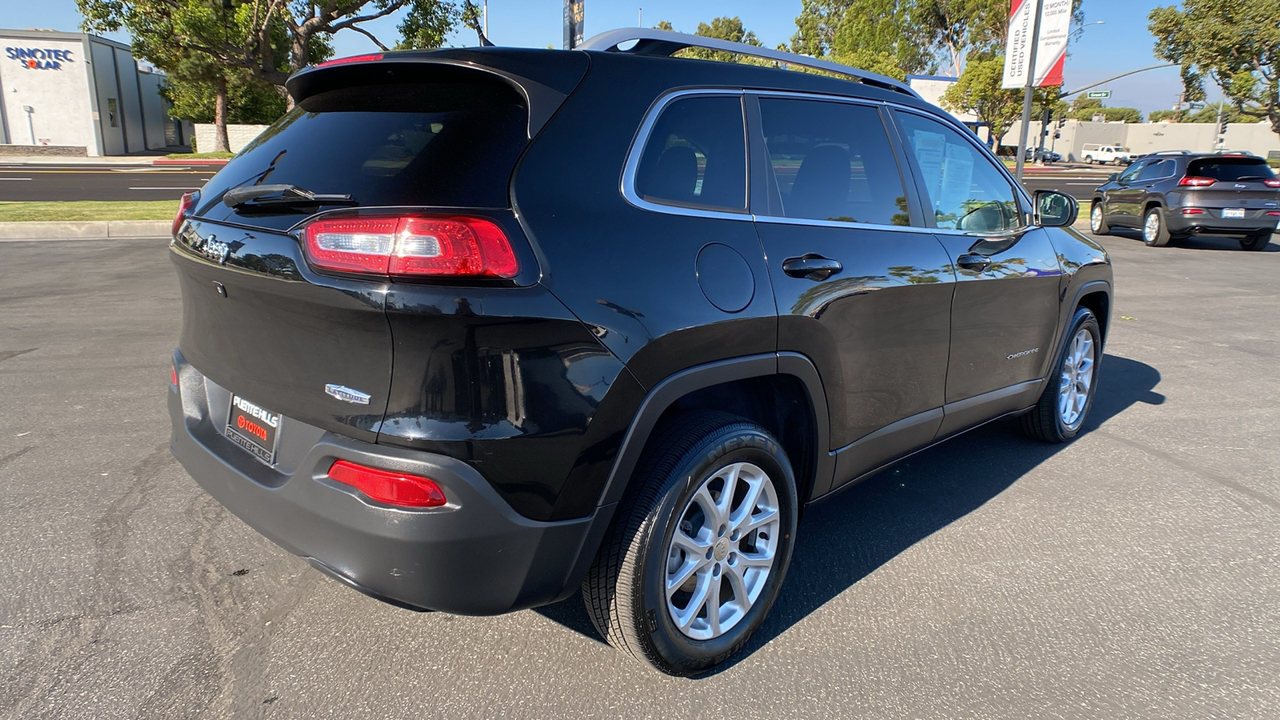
[1095,153]
[473,330]
[1042,155]
[1176,194]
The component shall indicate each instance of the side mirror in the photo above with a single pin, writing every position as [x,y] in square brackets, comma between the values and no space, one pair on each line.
[1055,209]
[1112,177]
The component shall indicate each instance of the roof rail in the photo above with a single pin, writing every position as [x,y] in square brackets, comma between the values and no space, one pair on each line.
[662,43]
[1171,152]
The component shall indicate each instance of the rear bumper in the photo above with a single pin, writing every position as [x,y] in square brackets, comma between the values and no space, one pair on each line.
[1209,224]
[473,556]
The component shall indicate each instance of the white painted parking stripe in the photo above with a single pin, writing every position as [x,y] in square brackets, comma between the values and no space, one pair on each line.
[170,187]
[6,178]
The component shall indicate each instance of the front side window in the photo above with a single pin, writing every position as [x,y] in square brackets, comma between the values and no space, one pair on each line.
[695,156]
[1131,174]
[964,189]
[833,161]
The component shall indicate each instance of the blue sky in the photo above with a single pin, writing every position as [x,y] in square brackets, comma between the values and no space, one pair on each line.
[1121,43]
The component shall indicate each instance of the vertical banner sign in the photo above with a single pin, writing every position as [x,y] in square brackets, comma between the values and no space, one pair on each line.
[1051,53]
[572,23]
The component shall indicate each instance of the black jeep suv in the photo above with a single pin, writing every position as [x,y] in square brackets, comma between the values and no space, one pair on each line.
[1177,194]
[472,329]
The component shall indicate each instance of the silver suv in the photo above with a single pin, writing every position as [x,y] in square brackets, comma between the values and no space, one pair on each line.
[1175,195]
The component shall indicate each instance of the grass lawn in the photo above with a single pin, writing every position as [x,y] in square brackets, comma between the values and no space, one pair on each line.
[88,210]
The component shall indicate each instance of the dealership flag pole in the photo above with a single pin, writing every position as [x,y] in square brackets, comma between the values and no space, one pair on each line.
[1027,89]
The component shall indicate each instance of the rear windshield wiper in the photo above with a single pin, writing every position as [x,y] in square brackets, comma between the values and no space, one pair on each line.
[281,195]
[1253,177]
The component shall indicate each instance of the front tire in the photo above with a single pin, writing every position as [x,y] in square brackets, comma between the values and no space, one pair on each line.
[1154,232]
[1257,241]
[1098,219]
[1068,394]
[700,546]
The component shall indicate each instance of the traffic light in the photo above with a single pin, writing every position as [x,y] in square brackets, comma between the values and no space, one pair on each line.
[1062,121]
[1222,127]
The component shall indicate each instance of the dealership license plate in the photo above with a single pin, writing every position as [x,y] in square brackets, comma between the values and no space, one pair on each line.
[1233,213]
[253,428]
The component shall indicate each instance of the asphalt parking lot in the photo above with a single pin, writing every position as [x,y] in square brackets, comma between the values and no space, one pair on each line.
[1130,574]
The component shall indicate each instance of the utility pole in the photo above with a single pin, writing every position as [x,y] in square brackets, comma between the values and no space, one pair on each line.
[1028,89]
[486,18]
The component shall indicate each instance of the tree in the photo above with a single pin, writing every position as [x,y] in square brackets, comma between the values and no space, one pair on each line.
[1209,113]
[1235,44]
[723,28]
[904,36]
[1165,116]
[248,33]
[249,99]
[880,36]
[978,91]
[1083,108]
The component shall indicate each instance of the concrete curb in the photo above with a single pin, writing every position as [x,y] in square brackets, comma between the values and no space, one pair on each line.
[87,230]
[199,161]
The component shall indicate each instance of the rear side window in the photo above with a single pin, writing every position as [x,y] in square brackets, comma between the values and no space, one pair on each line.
[696,156]
[1157,170]
[408,143]
[1229,168]
[833,161]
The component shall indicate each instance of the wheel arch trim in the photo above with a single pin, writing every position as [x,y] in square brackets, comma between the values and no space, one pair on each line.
[663,395]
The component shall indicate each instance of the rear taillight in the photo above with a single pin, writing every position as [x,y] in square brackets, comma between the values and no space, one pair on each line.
[185,204]
[386,486]
[173,376]
[453,246]
[1192,211]
[1273,213]
[352,59]
[1272,183]
[1194,181]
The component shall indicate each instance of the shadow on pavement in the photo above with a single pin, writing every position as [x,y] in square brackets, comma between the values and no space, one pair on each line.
[1199,242]
[846,537]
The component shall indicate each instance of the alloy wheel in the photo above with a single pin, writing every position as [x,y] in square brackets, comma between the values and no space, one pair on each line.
[1151,228]
[722,551]
[1077,379]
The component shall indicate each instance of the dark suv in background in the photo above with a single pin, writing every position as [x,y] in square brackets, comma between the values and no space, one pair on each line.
[473,329]
[1174,195]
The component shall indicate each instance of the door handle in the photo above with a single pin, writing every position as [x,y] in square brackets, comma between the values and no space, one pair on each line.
[974,262]
[811,267]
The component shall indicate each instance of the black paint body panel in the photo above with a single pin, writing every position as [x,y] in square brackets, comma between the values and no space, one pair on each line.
[534,397]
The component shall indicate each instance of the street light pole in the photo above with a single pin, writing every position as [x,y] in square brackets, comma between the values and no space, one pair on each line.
[1028,89]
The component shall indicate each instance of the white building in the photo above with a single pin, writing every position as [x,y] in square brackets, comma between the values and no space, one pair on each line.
[64,92]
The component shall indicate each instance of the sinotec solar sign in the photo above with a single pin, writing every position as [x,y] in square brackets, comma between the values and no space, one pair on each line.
[39,58]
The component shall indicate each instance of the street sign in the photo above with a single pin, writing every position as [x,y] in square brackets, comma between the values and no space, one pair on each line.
[1099,94]
[1196,105]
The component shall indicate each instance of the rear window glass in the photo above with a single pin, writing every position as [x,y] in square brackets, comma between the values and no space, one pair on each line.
[422,143]
[1230,168]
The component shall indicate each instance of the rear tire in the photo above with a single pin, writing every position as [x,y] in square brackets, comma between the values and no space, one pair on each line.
[1154,232]
[1256,241]
[1068,393]
[1098,219]
[710,513]
[1088,159]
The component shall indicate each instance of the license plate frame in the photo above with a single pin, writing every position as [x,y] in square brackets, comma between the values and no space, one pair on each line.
[1233,213]
[254,428]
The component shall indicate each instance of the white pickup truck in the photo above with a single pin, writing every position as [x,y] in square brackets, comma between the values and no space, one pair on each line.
[1096,153]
